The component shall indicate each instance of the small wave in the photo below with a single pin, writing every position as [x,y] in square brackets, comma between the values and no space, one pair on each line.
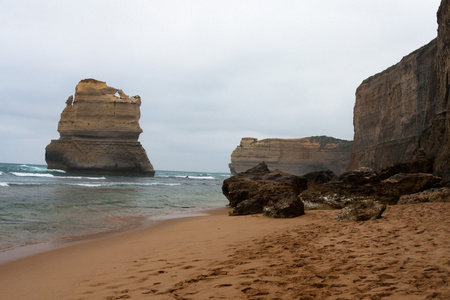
[80,177]
[41,169]
[20,174]
[88,184]
[1,173]
[55,170]
[200,177]
[147,183]
[3,184]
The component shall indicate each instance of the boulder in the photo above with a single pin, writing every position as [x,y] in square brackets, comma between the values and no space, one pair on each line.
[289,206]
[250,191]
[362,211]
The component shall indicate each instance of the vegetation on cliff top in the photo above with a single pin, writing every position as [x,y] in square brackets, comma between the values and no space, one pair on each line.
[323,140]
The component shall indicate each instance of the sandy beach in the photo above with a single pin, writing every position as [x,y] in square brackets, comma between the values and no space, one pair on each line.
[404,255]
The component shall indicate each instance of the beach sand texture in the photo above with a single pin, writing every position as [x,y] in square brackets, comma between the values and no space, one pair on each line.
[403,255]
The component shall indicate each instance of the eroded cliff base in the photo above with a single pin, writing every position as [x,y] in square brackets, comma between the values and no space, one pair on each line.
[98,157]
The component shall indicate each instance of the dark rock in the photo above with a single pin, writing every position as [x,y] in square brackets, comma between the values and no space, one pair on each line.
[418,166]
[362,211]
[320,176]
[365,184]
[431,195]
[250,206]
[394,187]
[359,176]
[290,206]
[250,191]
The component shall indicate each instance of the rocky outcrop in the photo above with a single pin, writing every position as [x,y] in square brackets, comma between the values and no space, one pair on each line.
[260,190]
[294,156]
[402,113]
[366,184]
[432,195]
[99,131]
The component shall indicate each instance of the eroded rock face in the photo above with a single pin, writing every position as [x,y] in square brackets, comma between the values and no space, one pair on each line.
[402,113]
[392,110]
[99,131]
[260,190]
[100,112]
[294,156]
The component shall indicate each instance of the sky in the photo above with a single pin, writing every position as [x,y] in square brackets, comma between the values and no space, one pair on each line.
[208,72]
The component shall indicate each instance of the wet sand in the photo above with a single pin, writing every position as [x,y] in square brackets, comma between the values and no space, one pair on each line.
[404,255]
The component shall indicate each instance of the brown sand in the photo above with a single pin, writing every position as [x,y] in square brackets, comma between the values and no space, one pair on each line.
[404,255]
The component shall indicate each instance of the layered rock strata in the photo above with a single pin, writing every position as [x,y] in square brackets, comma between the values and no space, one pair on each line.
[99,131]
[294,156]
[402,113]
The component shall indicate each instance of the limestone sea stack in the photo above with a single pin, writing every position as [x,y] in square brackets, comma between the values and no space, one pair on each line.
[99,131]
[294,156]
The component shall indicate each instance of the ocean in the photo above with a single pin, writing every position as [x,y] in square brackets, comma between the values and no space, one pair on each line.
[41,206]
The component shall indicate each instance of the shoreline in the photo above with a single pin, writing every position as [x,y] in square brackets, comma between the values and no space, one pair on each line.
[403,255]
[27,250]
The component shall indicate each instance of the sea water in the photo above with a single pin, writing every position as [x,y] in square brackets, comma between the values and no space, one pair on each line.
[38,205]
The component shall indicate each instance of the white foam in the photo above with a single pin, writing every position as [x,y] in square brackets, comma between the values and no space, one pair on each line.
[200,177]
[3,184]
[20,174]
[1,173]
[88,185]
[55,170]
[80,177]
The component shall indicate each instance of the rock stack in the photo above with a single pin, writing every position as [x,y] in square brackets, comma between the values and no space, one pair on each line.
[99,131]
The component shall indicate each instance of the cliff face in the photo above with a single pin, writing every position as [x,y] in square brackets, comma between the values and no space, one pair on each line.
[442,163]
[99,131]
[294,156]
[401,114]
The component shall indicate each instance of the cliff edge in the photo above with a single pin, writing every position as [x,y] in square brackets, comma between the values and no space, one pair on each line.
[99,131]
[402,113]
[294,156]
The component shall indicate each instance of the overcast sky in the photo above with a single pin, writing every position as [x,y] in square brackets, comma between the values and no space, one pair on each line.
[209,72]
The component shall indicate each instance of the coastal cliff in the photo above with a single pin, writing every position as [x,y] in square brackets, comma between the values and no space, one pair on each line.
[99,131]
[294,156]
[402,113]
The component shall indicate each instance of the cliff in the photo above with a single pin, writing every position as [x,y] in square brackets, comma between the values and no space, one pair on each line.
[99,131]
[294,156]
[401,114]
